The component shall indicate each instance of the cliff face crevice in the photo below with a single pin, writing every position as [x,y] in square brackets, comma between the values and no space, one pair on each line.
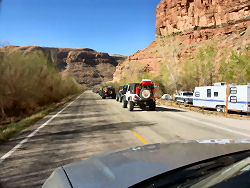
[183,26]
[185,15]
[87,66]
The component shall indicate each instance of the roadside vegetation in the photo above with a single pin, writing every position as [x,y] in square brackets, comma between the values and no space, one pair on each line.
[205,66]
[28,84]
[8,130]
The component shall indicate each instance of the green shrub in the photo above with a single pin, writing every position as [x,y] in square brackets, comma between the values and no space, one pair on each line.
[237,68]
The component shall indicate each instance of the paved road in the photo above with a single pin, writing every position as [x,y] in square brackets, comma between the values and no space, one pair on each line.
[90,126]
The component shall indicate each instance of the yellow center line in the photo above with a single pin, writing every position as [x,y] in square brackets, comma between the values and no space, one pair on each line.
[138,136]
[122,120]
[107,107]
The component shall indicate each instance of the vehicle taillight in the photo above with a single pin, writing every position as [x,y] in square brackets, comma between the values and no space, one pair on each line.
[153,90]
[137,90]
[249,106]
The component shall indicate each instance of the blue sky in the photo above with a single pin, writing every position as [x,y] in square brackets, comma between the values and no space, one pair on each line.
[112,26]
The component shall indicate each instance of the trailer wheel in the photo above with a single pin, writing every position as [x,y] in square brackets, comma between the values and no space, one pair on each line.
[220,108]
[223,109]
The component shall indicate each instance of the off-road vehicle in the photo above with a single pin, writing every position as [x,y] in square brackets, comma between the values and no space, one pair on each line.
[107,91]
[139,94]
[121,92]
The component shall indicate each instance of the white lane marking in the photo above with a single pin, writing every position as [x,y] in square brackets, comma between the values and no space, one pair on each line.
[212,125]
[33,133]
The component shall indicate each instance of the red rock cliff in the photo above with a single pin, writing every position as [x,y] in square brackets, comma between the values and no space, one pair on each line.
[183,15]
[192,22]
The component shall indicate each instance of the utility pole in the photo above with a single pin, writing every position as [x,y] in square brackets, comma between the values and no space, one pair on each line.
[227,95]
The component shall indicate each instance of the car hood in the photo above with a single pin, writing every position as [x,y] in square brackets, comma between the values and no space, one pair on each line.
[130,166]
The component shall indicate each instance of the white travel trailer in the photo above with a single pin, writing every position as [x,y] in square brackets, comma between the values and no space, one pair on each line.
[215,97]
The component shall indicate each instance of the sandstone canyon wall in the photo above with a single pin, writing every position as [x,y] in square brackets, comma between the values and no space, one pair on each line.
[182,26]
[87,66]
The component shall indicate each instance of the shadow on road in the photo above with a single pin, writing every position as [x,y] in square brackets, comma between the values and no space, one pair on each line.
[80,131]
[163,109]
[74,106]
[81,116]
[158,109]
[62,144]
[76,130]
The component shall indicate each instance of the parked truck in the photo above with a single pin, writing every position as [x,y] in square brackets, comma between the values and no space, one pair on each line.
[215,97]
[185,97]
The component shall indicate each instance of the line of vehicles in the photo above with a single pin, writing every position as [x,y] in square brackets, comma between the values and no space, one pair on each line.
[132,95]
[218,163]
[142,95]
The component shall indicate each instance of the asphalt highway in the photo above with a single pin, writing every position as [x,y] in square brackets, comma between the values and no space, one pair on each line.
[90,125]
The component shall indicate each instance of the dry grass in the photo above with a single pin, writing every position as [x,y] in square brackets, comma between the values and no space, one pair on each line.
[29,82]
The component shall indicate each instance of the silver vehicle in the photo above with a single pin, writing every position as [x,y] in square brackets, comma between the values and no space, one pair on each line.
[166,97]
[185,97]
[201,163]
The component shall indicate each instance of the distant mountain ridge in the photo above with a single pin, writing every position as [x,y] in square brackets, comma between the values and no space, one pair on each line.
[87,66]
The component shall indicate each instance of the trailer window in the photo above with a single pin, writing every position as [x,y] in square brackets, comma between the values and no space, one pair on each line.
[216,94]
[188,94]
[208,92]
[197,94]
[233,90]
[233,99]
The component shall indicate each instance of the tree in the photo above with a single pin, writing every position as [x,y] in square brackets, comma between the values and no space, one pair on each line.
[237,68]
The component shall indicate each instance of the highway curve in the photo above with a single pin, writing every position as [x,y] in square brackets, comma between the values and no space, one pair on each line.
[89,125]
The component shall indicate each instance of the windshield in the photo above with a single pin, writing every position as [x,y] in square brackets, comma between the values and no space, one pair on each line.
[230,172]
[203,174]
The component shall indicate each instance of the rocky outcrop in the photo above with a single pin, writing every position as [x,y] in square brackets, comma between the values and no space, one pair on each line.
[201,20]
[185,15]
[87,66]
[182,26]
